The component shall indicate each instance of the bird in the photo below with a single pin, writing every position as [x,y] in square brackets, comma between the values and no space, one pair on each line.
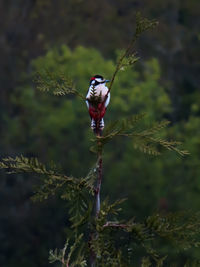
[97,100]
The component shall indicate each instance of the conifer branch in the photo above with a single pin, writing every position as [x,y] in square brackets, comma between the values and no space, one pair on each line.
[53,179]
[128,58]
[144,140]
[180,230]
[57,84]
[115,225]
[65,255]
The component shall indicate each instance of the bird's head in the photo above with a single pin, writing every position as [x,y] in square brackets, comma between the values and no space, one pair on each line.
[97,79]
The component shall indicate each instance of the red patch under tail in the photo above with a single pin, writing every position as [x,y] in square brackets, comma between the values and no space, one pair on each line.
[97,113]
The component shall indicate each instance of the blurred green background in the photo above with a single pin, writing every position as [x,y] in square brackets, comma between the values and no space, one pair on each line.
[80,39]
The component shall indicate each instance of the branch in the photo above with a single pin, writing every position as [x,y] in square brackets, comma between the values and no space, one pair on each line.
[142,24]
[57,84]
[144,140]
[116,225]
[53,180]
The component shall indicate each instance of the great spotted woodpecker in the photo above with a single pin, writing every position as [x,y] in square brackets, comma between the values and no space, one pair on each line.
[97,100]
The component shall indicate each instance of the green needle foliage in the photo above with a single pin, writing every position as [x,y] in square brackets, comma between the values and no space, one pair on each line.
[57,84]
[65,255]
[106,239]
[52,180]
[144,140]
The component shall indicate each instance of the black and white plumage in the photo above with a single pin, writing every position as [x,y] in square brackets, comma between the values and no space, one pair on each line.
[97,109]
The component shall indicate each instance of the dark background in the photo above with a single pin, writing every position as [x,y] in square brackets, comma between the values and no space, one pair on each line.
[81,39]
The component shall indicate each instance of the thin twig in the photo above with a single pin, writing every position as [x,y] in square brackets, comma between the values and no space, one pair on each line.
[115,225]
[119,63]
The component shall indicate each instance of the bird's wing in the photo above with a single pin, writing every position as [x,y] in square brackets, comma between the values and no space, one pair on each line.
[87,103]
[87,97]
[107,100]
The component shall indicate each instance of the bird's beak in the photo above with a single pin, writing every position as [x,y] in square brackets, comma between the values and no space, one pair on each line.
[107,81]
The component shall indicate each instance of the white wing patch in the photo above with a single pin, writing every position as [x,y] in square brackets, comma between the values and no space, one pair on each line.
[107,100]
[87,104]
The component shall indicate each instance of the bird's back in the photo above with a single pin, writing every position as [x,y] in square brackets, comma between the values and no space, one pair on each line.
[100,89]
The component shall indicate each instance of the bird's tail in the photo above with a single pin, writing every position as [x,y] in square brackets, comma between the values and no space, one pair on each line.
[97,126]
